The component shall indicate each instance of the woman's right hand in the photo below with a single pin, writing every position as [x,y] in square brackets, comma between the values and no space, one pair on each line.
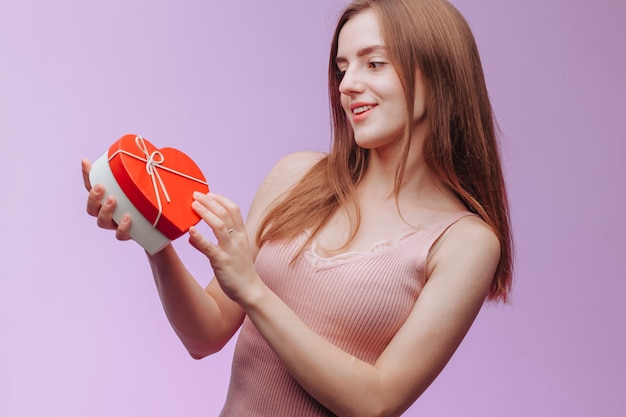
[103,210]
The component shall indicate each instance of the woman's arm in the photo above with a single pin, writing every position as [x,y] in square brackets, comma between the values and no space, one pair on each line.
[204,319]
[461,269]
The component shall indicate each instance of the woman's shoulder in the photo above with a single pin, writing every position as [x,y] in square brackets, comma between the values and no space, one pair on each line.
[468,240]
[469,230]
[297,164]
[287,172]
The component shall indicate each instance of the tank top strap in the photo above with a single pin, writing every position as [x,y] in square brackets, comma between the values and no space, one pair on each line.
[435,232]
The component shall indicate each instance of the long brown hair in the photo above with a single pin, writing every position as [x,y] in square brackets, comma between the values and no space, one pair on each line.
[460,147]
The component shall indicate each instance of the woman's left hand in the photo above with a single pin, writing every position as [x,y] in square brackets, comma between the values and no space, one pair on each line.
[232,257]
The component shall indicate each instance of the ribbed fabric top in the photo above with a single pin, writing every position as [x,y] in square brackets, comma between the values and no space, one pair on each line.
[356,301]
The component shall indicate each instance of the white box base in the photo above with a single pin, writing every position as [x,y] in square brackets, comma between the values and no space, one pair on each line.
[141,230]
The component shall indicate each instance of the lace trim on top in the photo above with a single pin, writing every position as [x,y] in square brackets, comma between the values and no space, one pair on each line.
[311,252]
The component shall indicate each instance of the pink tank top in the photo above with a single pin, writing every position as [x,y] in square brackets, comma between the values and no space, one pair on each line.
[356,301]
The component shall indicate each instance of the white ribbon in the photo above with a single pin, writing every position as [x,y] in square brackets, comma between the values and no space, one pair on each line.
[153,161]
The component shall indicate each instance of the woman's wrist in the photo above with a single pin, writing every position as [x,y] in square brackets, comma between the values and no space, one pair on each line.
[254,295]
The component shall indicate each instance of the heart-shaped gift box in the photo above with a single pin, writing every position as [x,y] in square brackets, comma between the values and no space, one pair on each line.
[154,186]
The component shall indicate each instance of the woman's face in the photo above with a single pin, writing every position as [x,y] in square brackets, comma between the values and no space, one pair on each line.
[371,92]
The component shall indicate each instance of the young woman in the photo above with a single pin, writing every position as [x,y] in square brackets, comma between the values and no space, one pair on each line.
[358,272]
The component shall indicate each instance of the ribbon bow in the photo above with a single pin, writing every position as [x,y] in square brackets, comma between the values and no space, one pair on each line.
[154,162]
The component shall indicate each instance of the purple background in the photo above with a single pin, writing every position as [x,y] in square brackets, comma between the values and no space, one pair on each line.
[236,85]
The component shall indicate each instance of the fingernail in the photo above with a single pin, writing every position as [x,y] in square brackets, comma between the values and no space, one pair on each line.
[125,219]
[197,194]
[108,202]
[97,188]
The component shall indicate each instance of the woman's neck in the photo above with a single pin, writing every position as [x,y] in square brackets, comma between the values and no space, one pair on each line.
[419,187]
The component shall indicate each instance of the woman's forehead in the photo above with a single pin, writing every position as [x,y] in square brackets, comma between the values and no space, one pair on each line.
[361,31]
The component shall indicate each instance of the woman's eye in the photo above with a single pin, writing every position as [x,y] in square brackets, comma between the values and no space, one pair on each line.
[376,64]
[340,73]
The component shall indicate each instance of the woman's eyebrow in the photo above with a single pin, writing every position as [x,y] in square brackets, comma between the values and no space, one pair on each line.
[362,52]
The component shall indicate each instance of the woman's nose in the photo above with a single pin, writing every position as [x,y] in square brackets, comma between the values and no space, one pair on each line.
[351,82]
